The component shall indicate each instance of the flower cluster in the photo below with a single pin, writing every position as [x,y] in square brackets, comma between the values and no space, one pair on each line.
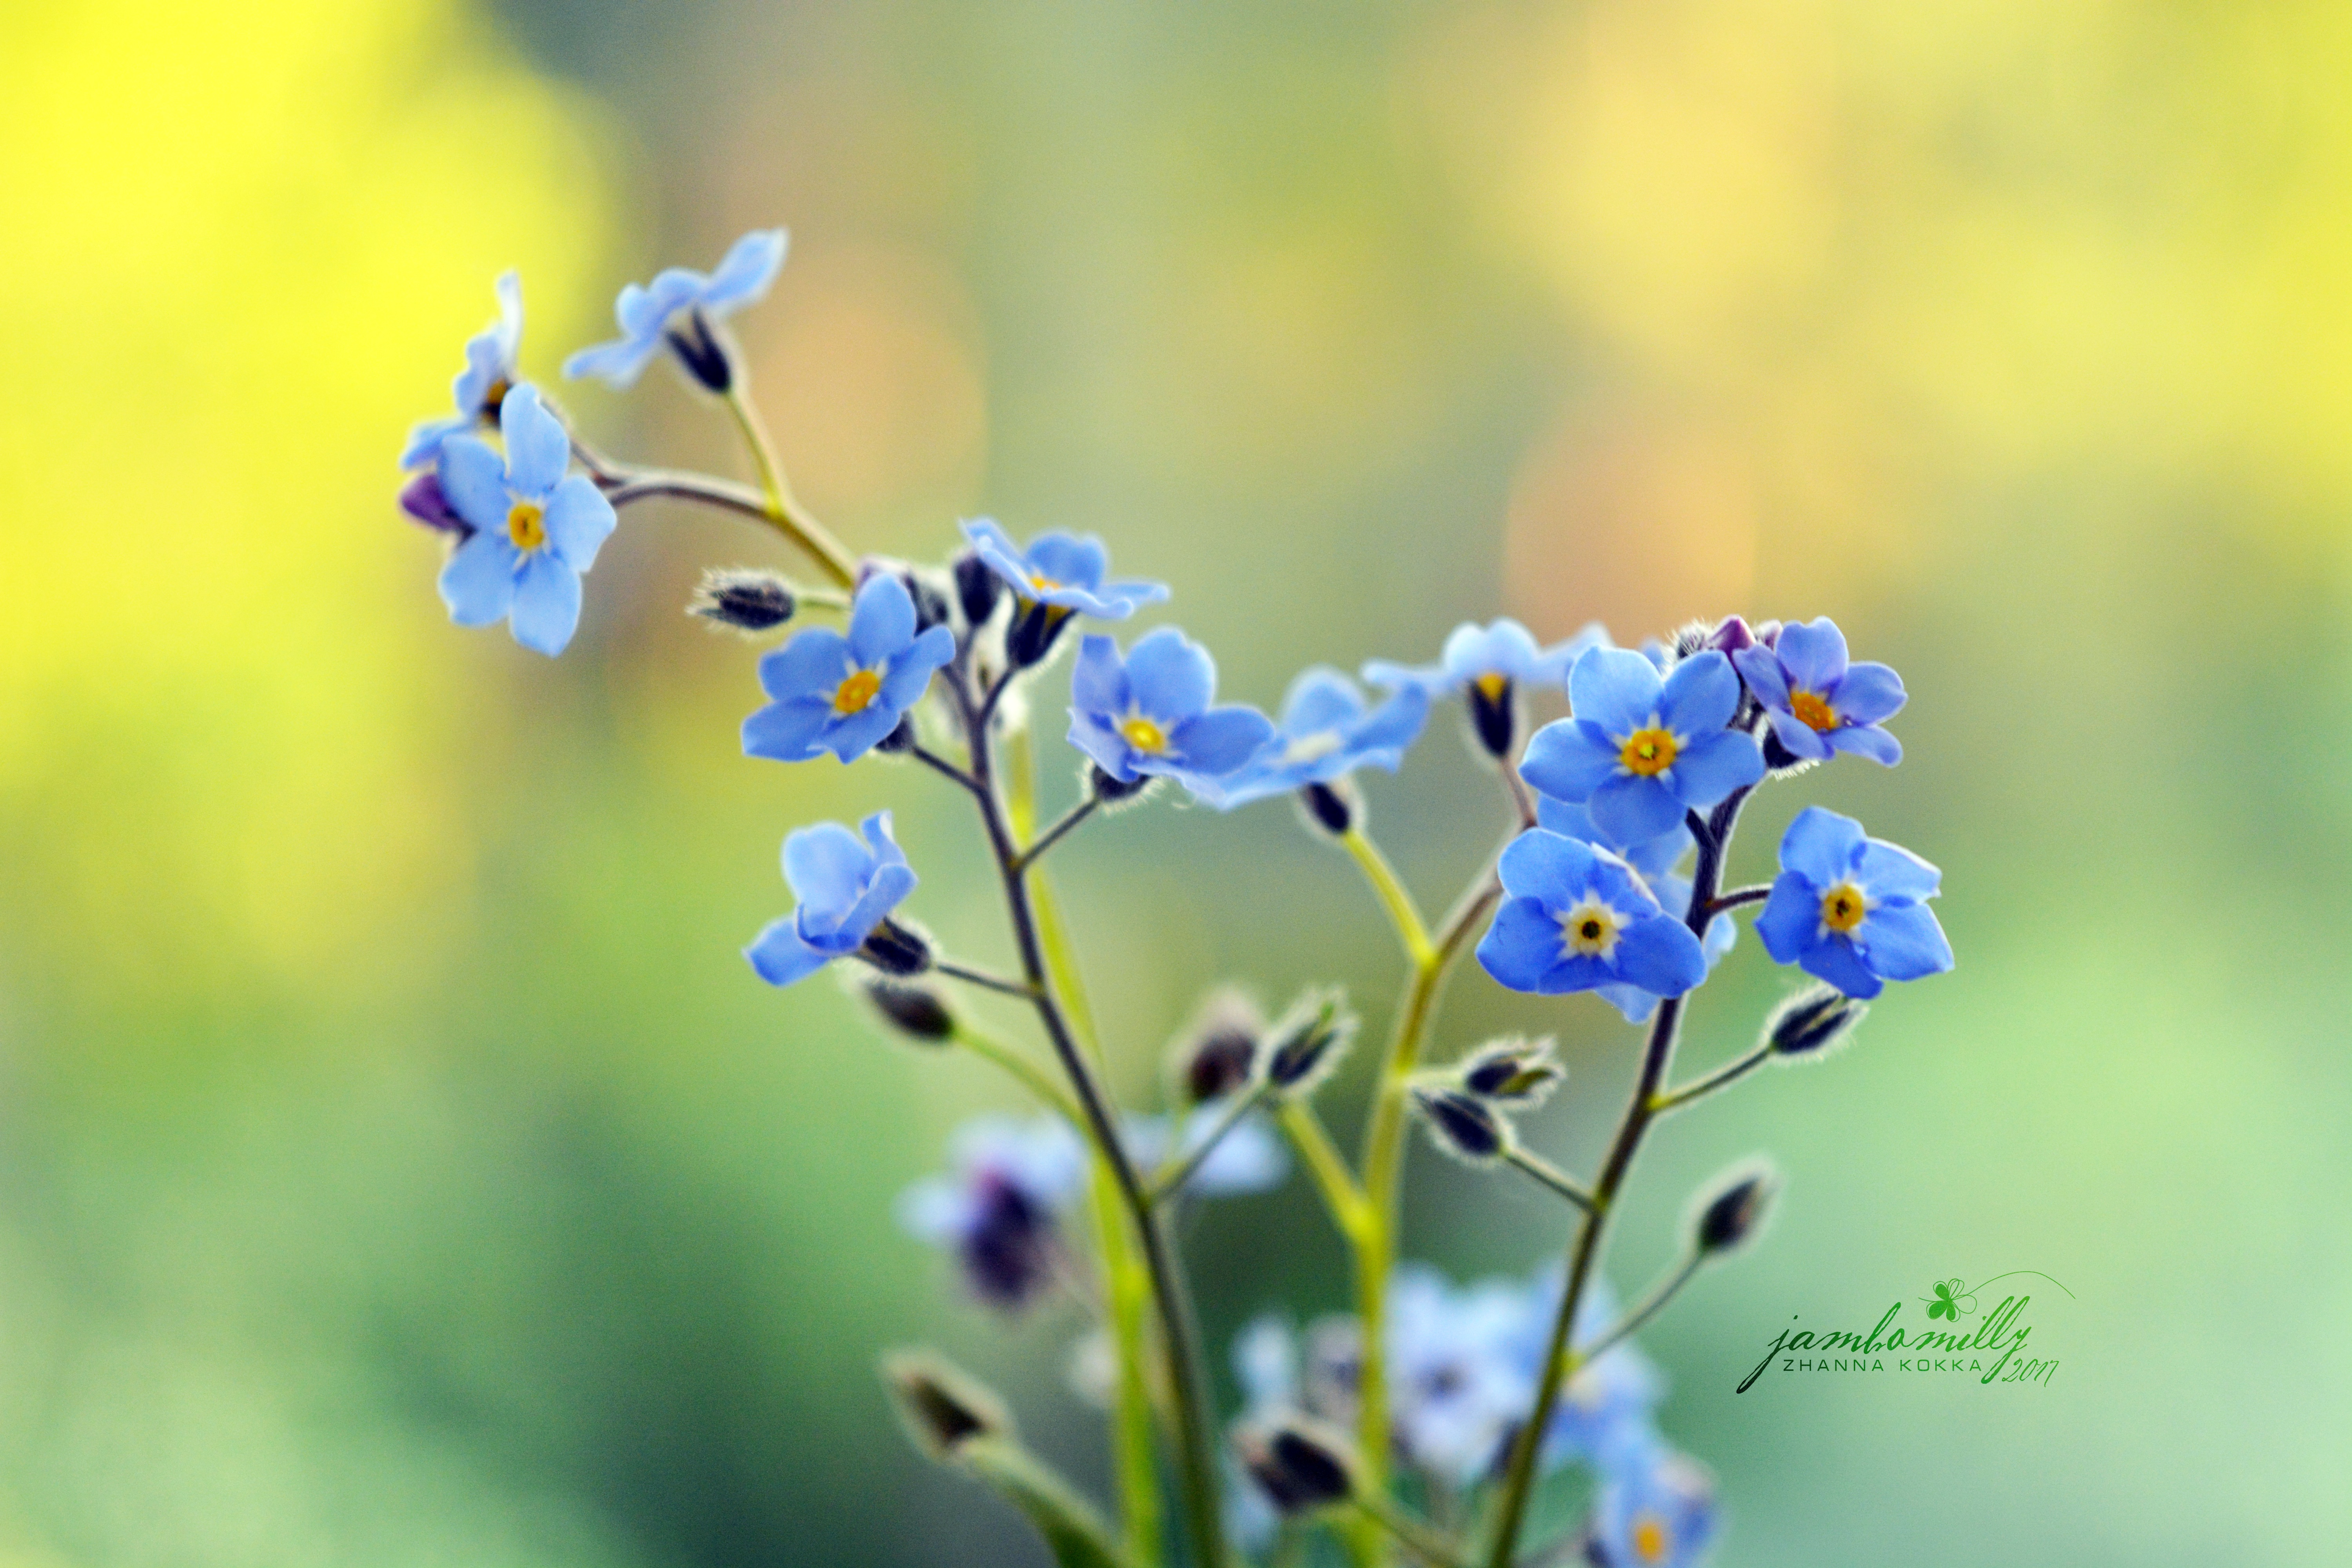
[1622,774]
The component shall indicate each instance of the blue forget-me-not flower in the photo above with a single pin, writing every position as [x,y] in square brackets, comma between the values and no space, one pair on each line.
[1064,571]
[1000,1212]
[846,886]
[676,310]
[1641,749]
[1577,918]
[841,694]
[1487,666]
[1327,732]
[1851,910]
[1149,714]
[1657,1509]
[535,527]
[482,386]
[1656,859]
[1816,700]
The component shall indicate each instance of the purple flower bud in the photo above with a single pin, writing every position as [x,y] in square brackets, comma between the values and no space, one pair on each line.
[422,499]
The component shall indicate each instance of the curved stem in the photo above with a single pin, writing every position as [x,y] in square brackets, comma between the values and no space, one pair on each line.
[790,518]
[1170,1180]
[981,977]
[1033,1077]
[1550,1175]
[1323,1163]
[1714,836]
[1051,836]
[1650,1304]
[1738,896]
[1395,898]
[1732,1072]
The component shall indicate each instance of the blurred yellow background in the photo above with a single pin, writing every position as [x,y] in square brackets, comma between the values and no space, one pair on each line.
[397,1162]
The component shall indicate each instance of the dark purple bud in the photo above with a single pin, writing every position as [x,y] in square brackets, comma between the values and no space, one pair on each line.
[1111,792]
[1220,1052]
[1309,1041]
[1513,1072]
[1301,1465]
[1732,1216]
[1813,1021]
[1011,1251]
[1334,807]
[422,499]
[1463,1126]
[895,949]
[1732,635]
[978,588]
[1035,628]
[916,1011]
[1494,712]
[703,353]
[743,600]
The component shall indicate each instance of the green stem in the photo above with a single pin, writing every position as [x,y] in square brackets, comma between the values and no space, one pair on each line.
[1170,1180]
[1033,1077]
[789,517]
[1732,1072]
[1551,1176]
[1416,1537]
[1651,1305]
[1332,1177]
[1394,897]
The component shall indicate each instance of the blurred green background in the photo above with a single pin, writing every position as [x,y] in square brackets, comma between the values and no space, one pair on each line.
[397,1162]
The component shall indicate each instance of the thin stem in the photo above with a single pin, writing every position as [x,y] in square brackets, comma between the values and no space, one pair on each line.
[1550,1175]
[1738,896]
[1180,1333]
[1650,1304]
[790,518]
[1732,1072]
[1332,1177]
[1051,836]
[1395,898]
[1714,836]
[1521,797]
[971,976]
[1170,1179]
[1414,1536]
[1033,1077]
[940,765]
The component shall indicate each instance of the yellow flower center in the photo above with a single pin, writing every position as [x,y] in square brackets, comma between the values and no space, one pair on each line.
[526,525]
[492,398]
[1144,735]
[853,694]
[1813,709]
[1648,752]
[1492,685]
[1651,1541]
[1842,907]
[1589,929]
[1042,585]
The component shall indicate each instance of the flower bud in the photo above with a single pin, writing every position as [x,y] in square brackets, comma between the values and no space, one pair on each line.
[1036,628]
[900,740]
[1494,703]
[1731,635]
[1334,807]
[917,1012]
[743,600]
[1219,1053]
[703,352]
[1730,1218]
[895,948]
[940,1408]
[1111,792]
[1813,1021]
[1299,1463]
[1309,1041]
[1463,1125]
[1779,760]
[1513,1072]
[978,589]
[423,500]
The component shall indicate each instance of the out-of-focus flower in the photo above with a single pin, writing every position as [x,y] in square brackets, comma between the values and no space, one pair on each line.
[1457,1388]
[841,694]
[1816,702]
[1065,571]
[1327,732]
[1604,1413]
[482,386]
[677,309]
[998,1212]
[845,885]
[1577,918]
[1248,1159]
[535,527]
[1488,666]
[1655,1510]
[1640,749]
[1851,910]
[1149,714]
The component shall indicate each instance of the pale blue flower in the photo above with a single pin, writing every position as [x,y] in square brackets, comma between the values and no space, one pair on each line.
[1491,659]
[1656,861]
[845,887]
[1641,751]
[1817,701]
[1577,918]
[1149,714]
[482,386]
[841,694]
[1000,1212]
[1655,1510]
[1248,1159]
[1063,570]
[1851,910]
[1327,732]
[647,314]
[535,528]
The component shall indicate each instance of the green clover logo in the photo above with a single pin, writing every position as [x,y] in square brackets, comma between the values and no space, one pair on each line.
[1951,1301]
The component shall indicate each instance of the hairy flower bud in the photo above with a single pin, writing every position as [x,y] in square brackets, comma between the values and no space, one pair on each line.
[1220,1052]
[895,948]
[1333,806]
[1309,1041]
[423,500]
[1035,628]
[1299,1463]
[744,600]
[916,1011]
[1731,1218]
[1463,1125]
[1111,792]
[978,588]
[1513,1072]
[1813,1021]
[941,1407]
[704,352]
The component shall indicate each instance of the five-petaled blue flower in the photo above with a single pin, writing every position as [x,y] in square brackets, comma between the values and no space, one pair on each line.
[1577,918]
[1328,731]
[646,311]
[1655,1510]
[482,386]
[1000,1212]
[1639,751]
[1850,910]
[535,528]
[1818,704]
[841,694]
[845,885]
[1061,570]
[1149,714]
[1491,659]
[1656,859]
